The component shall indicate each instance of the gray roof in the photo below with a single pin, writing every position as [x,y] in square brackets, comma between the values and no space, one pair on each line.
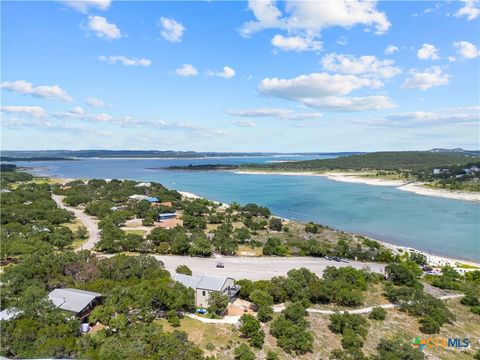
[206,282]
[8,314]
[187,280]
[72,299]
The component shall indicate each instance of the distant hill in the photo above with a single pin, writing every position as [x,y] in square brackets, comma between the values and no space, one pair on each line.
[52,155]
[393,160]
[457,150]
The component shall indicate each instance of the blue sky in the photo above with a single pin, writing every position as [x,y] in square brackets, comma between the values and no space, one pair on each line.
[240,76]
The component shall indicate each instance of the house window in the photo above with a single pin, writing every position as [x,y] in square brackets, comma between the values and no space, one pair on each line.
[203,293]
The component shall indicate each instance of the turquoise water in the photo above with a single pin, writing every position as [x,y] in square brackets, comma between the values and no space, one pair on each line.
[442,226]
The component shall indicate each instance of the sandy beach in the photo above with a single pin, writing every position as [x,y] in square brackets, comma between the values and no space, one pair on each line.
[433,260]
[420,189]
[415,187]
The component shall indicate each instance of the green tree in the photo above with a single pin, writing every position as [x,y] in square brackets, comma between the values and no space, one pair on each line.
[183,269]
[217,303]
[275,224]
[243,352]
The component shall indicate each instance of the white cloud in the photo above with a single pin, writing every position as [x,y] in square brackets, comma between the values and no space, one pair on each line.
[226,73]
[102,28]
[172,30]
[428,52]
[466,49]
[326,91]
[426,79]
[34,111]
[470,9]
[95,102]
[126,61]
[43,91]
[283,114]
[338,103]
[295,43]
[432,118]
[304,20]
[101,117]
[77,110]
[367,65]
[186,70]
[244,123]
[84,6]
[390,49]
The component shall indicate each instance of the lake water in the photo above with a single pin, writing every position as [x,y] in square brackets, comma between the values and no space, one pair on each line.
[442,226]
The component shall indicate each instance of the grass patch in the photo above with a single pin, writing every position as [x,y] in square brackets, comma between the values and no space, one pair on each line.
[224,337]
[249,251]
[136,232]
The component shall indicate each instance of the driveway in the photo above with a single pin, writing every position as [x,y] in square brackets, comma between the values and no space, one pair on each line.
[90,224]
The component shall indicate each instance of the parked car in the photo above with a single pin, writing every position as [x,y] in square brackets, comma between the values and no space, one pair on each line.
[336,258]
[328,258]
[220,265]
[344,260]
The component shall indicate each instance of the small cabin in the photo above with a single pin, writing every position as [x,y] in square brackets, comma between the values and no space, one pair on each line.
[78,302]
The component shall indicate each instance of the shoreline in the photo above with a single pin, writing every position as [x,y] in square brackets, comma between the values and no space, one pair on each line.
[437,259]
[414,187]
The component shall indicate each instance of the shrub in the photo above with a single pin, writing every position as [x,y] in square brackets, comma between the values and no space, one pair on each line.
[243,352]
[183,269]
[378,313]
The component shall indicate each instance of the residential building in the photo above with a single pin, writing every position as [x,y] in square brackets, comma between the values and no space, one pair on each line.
[206,285]
[79,302]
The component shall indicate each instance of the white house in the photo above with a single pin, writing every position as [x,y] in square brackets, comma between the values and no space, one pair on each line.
[205,285]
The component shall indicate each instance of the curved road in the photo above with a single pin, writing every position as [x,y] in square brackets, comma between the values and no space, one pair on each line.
[90,224]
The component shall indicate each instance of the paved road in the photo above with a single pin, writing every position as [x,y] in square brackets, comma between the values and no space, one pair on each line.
[90,224]
[257,268]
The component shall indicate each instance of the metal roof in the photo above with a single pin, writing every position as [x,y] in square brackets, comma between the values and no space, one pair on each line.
[72,299]
[187,280]
[8,314]
[214,283]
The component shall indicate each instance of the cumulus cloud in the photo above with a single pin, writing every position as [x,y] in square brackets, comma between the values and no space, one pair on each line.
[304,20]
[226,73]
[466,49]
[284,114]
[84,6]
[295,43]
[470,9]
[77,110]
[102,28]
[326,91]
[126,61]
[33,111]
[44,91]
[171,30]
[428,52]
[367,65]
[426,79]
[186,70]
[244,123]
[95,102]
[390,49]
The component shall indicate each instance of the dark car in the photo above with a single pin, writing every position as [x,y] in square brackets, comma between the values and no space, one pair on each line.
[220,265]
